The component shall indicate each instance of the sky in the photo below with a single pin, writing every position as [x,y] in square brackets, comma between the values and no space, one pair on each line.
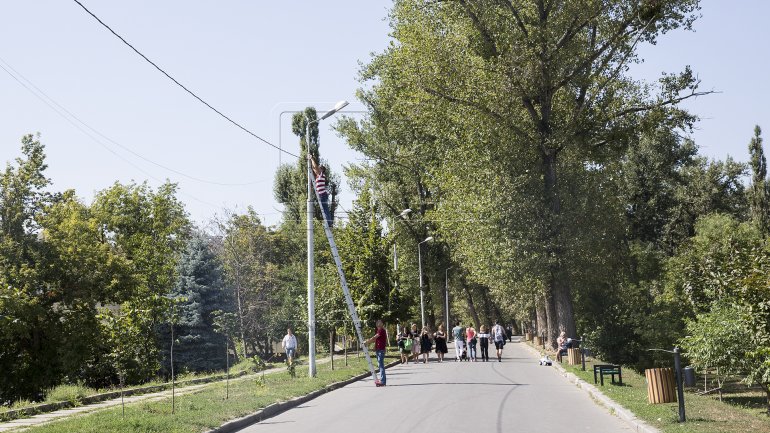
[254,60]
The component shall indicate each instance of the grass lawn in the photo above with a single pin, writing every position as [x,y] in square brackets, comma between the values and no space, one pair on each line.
[705,414]
[74,393]
[207,408]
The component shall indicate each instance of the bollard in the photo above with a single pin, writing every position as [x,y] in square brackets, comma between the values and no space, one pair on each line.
[679,387]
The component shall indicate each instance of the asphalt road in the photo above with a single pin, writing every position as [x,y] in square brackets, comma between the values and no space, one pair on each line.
[515,395]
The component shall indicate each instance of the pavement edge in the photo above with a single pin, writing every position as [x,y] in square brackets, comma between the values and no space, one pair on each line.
[281,407]
[611,406]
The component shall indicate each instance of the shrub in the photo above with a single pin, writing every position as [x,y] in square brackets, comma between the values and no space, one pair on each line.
[71,393]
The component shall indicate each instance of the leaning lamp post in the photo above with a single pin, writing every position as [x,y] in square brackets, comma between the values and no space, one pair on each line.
[310,254]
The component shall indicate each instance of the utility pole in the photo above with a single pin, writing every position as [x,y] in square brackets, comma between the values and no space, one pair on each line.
[310,253]
[310,261]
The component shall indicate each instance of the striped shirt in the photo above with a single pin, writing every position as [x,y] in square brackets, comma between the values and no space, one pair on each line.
[320,184]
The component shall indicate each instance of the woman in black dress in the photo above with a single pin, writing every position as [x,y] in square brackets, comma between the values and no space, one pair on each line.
[440,337]
[425,344]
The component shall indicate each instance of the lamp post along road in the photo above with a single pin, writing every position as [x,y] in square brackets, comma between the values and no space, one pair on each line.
[446,296]
[422,289]
[310,253]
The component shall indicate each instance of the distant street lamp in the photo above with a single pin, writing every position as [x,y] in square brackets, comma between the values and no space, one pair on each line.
[310,253]
[422,290]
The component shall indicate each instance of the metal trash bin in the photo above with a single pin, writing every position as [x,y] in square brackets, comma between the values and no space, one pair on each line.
[689,376]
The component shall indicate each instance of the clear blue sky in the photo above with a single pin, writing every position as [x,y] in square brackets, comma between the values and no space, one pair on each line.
[254,59]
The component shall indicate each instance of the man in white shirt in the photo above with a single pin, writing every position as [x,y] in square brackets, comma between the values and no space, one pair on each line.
[289,345]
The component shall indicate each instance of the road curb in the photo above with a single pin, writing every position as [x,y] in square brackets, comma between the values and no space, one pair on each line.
[280,407]
[611,406]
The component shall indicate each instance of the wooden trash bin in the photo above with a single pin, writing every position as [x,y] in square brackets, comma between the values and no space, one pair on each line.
[573,356]
[538,341]
[661,387]
[528,336]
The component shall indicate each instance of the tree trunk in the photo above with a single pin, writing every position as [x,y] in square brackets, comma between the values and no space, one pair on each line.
[471,306]
[240,317]
[542,320]
[766,387]
[558,296]
[490,309]
[331,346]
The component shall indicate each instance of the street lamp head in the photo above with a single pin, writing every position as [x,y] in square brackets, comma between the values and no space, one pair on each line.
[337,107]
[405,212]
[428,239]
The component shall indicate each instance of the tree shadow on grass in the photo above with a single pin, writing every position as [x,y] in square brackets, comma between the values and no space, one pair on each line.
[747,401]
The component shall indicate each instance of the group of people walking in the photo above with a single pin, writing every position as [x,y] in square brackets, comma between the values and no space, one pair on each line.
[415,344]
[467,338]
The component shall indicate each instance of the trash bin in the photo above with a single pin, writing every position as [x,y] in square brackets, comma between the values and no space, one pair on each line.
[661,387]
[689,376]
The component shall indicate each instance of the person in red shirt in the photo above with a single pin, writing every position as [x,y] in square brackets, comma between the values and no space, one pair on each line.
[380,340]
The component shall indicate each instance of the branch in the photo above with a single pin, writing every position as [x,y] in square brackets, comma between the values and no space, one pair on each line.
[593,57]
[572,31]
[499,117]
[515,14]
[672,101]
[480,27]
[464,102]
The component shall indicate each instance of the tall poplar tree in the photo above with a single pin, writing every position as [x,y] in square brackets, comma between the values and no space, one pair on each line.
[758,192]
[538,90]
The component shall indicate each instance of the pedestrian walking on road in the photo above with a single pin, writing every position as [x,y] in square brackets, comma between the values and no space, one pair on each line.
[470,336]
[425,344]
[404,344]
[415,343]
[457,333]
[484,343]
[498,333]
[289,345]
[380,340]
[441,347]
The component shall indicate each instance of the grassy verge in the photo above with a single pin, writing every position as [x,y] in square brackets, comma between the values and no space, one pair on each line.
[74,393]
[206,408]
[705,414]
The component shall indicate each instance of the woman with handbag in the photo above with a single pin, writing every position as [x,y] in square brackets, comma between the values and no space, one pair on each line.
[415,343]
[405,344]
[425,344]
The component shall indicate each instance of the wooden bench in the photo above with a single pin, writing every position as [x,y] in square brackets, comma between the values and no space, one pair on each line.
[607,369]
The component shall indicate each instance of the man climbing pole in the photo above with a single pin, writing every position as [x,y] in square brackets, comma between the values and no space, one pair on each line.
[320,185]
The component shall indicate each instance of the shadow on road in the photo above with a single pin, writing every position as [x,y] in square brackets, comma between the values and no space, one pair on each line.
[459,383]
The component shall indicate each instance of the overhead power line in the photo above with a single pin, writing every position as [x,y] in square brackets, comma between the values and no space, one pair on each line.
[182,85]
[127,149]
[60,112]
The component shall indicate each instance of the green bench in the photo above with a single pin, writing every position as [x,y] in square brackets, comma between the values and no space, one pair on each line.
[611,370]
